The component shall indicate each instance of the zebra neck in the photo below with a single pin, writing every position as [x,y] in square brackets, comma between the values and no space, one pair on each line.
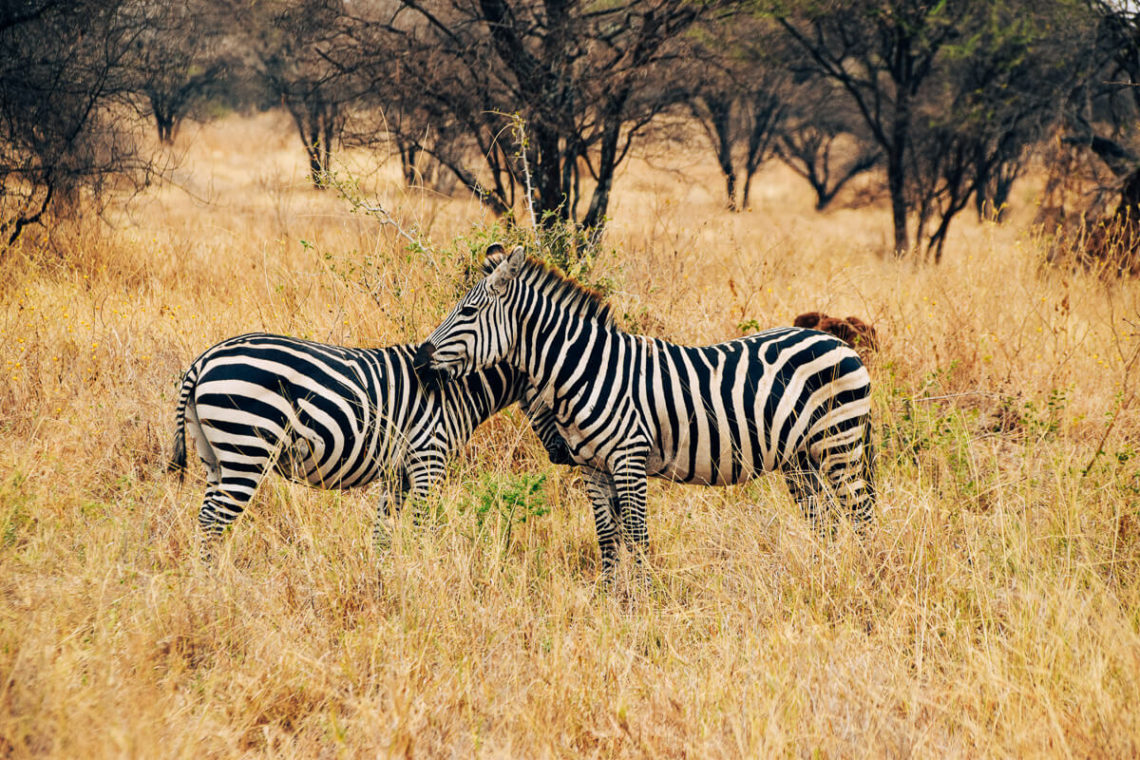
[481,395]
[559,360]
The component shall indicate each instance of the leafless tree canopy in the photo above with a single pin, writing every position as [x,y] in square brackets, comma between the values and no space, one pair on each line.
[534,104]
[65,119]
[740,95]
[180,57]
[582,80]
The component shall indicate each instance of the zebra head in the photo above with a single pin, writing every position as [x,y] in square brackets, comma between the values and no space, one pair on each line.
[479,331]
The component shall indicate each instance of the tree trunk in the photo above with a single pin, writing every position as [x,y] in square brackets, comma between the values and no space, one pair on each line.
[903,75]
[553,205]
[327,127]
[720,123]
[164,117]
[315,122]
[607,160]
[1003,185]
[409,154]
[165,124]
[569,183]
[313,148]
[747,191]
[724,157]
[896,182]
[730,189]
[983,202]
[938,239]
[600,201]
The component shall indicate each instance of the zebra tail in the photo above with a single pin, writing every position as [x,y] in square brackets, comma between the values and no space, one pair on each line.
[178,458]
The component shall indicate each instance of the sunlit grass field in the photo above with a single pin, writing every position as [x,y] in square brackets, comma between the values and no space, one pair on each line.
[993,609]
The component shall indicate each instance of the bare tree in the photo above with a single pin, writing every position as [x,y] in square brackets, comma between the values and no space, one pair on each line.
[824,141]
[584,80]
[179,57]
[291,44]
[741,125]
[739,96]
[65,121]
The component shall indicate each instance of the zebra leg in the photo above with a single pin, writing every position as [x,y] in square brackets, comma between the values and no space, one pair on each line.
[545,426]
[804,482]
[848,467]
[385,509]
[628,473]
[419,478]
[837,468]
[607,508]
[422,475]
[393,494]
[228,490]
[220,508]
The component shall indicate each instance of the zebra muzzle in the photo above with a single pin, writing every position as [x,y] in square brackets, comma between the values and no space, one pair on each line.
[424,353]
[422,364]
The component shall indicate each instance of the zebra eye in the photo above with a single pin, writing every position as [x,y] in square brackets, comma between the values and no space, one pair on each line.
[468,311]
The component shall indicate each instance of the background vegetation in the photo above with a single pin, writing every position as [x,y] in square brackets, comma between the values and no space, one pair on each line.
[993,610]
[949,100]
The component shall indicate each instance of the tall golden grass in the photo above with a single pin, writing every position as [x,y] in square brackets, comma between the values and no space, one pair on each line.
[992,611]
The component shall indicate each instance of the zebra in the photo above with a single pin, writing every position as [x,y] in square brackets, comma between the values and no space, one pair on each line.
[628,406]
[332,417]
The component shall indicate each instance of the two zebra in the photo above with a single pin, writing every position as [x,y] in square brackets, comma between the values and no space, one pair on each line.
[621,406]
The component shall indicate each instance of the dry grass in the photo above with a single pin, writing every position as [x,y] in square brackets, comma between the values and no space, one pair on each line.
[994,610]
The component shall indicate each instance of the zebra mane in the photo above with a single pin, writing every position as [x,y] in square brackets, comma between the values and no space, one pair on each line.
[574,296]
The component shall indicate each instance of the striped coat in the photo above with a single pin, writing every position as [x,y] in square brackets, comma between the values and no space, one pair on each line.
[329,416]
[629,406]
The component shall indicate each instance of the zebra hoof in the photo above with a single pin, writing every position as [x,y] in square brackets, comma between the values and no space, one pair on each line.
[382,541]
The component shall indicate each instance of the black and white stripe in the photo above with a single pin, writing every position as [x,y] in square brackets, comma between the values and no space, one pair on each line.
[786,399]
[329,416]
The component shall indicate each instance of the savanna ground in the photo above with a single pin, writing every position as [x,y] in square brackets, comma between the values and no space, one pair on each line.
[992,611]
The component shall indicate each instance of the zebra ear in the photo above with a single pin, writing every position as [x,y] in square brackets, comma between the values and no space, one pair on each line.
[493,257]
[507,270]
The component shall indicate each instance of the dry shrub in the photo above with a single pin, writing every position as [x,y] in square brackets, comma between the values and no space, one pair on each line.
[1097,238]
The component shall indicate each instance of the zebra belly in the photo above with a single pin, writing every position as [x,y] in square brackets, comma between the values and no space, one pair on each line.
[702,472]
[298,459]
[711,453]
[301,460]
[686,463]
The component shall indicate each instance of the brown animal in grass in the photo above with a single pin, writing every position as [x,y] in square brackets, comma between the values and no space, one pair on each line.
[853,330]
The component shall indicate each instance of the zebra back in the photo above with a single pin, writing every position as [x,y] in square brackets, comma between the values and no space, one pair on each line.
[377,391]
